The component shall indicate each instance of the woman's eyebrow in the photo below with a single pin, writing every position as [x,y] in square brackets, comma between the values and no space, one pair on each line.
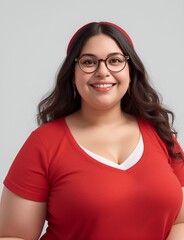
[93,55]
[88,54]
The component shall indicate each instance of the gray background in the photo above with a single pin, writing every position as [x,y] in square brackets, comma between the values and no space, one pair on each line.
[34,36]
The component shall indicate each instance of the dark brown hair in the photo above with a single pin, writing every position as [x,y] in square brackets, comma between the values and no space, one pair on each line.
[143,102]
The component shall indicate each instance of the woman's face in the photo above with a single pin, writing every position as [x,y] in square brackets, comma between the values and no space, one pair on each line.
[102,89]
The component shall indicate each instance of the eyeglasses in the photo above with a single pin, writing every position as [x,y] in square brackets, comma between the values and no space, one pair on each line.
[90,63]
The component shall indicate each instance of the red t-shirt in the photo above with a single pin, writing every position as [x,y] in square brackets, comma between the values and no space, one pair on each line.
[89,200]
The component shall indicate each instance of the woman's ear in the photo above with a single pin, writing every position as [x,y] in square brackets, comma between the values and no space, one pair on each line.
[74,88]
[73,81]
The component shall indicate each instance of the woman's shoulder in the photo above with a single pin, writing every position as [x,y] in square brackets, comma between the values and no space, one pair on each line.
[51,130]
[145,125]
[148,129]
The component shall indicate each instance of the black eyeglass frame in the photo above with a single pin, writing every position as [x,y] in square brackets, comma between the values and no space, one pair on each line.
[102,60]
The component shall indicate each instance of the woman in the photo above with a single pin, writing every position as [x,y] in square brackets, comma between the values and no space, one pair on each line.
[105,163]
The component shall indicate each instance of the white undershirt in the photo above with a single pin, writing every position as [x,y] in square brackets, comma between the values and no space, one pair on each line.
[129,162]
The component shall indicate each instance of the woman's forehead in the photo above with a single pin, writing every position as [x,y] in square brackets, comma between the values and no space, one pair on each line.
[100,43]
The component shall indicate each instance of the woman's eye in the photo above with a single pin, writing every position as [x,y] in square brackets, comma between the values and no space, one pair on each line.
[89,62]
[115,60]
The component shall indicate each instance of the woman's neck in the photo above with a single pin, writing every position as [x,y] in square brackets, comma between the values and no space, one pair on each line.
[99,117]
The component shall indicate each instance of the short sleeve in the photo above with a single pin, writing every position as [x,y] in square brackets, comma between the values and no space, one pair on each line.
[178,164]
[27,176]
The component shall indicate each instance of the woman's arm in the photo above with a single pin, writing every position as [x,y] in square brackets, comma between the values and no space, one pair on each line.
[177,231]
[20,218]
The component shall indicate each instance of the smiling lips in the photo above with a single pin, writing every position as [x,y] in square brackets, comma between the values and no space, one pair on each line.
[103,86]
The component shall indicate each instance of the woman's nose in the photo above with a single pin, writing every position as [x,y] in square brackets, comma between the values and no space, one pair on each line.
[102,69]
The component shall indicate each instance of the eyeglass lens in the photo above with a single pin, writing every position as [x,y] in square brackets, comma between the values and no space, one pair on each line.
[114,63]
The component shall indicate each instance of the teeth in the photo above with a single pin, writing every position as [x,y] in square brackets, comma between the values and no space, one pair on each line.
[103,85]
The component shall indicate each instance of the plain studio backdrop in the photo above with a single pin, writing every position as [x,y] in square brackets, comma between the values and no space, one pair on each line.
[33,41]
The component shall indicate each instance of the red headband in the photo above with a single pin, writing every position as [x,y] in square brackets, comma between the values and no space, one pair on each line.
[108,23]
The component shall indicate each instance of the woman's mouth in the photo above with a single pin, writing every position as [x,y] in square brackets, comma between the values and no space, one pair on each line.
[103,86]
[107,85]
